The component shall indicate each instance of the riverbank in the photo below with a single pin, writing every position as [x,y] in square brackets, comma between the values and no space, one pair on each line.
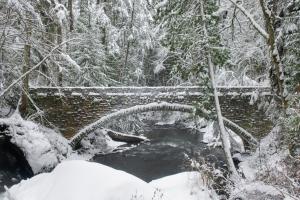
[78,180]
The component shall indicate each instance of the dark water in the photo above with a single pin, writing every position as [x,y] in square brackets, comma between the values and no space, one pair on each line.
[167,153]
[13,165]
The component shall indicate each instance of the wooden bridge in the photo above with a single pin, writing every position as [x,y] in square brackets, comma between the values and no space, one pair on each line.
[72,108]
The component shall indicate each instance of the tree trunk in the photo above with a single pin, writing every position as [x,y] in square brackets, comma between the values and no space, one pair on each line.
[276,72]
[60,40]
[23,107]
[128,44]
[223,132]
[71,15]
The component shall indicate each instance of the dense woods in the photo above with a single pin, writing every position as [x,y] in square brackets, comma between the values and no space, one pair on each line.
[209,43]
[147,43]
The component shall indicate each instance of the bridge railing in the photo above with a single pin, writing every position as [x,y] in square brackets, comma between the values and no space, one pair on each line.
[144,91]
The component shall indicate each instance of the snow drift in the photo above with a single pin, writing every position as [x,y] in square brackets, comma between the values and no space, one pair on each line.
[81,180]
[42,147]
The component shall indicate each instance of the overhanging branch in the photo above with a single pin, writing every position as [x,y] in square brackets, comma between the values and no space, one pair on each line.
[163,106]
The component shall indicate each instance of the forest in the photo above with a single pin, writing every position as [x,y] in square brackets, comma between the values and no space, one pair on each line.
[149,99]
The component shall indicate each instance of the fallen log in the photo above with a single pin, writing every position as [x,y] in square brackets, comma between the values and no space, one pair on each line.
[121,137]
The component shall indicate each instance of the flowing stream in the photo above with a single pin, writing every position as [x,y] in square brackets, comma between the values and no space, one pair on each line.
[168,152]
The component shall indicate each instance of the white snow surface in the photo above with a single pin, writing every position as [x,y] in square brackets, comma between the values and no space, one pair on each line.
[81,180]
[267,159]
[184,186]
[43,147]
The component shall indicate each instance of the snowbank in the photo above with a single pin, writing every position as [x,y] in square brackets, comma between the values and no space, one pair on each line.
[184,186]
[266,174]
[43,147]
[81,180]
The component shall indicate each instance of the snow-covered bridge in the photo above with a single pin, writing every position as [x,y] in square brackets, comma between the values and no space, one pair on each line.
[72,108]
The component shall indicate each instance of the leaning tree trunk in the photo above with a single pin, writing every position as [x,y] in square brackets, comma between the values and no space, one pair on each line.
[224,134]
[23,107]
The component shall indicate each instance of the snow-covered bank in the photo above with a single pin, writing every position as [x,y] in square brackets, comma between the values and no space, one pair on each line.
[81,180]
[269,172]
[43,147]
[184,186]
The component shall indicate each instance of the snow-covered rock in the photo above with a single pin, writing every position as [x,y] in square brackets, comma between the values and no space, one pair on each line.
[81,180]
[42,147]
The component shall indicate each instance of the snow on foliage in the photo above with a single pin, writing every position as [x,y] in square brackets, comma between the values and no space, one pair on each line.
[231,78]
[78,180]
[43,147]
[159,68]
[60,12]
[23,6]
[161,4]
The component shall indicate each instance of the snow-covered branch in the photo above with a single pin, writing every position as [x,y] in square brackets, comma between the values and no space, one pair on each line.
[251,19]
[33,68]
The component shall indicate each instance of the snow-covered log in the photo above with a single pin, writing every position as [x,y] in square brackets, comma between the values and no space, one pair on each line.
[121,137]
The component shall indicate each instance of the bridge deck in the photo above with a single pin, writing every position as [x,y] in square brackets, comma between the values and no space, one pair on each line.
[145,91]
